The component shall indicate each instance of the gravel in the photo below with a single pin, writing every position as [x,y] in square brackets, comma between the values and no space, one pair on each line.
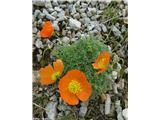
[83,109]
[107,104]
[39,2]
[104,28]
[39,44]
[65,39]
[74,24]
[72,20]
[51,110]
[120,117]
[54,3]
[125,113]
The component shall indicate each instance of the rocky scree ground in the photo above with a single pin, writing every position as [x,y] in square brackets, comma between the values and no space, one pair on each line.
[73,20]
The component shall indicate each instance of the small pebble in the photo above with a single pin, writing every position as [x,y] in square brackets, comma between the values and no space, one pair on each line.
[119,116]
[107,104]
[65,39]
[125,114]
[74,24]
[51,110]
[83,109]
[104,28]
[39,2]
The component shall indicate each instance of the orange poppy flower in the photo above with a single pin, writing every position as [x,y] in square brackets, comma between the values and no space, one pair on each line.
[102,62]
[74,87]
[49,75]
[47,30]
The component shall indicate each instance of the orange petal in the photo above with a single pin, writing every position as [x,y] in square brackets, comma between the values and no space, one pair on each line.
[47,30]
[101,71]
[65,94]
[69,98]
[76,75]
[86,88]
[86,91]
[58,65]
[45,75]
[103,55]
[95,66]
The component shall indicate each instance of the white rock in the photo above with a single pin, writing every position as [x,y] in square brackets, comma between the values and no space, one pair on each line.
[115,88]
[109,48]
[125,114]
[98,27]
[39,2]
[118,106]
[93,3]
[54,13]
[83,110]
[99,11]
[35,76]
[90,27]
[40,22]
[54,3]
[73,9]
[84,5]
[50,10]
[93,18]
[50,17]
[125,1]
[117,103]
[120,84]
[83,15]
[36,13]
[93,32]
[51,110]
[119,116]
[77,2]
[108,1]
[114,75]
[92,10]
[104,29]
[39,57]
[35,30]
[102,6]
[89,14]
[48,4]
[76,16]
[61,14]
[55,25]
[64,32]
[116,31]
[97,16]
[82,10]
[74,24]
[58,9]
[78,34]
[66,39]
[45,11]
[107,104]
[86,20]
[49,43]
[39,44]
[63,6]
[102,108]
[41,15]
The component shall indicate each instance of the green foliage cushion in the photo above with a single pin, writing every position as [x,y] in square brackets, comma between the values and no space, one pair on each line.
[80,55]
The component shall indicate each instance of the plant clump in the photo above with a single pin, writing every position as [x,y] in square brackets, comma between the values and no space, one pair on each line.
[81,55]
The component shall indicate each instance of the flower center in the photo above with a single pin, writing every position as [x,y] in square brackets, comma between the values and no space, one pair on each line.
[74,87]
[55,75]
[101,63]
